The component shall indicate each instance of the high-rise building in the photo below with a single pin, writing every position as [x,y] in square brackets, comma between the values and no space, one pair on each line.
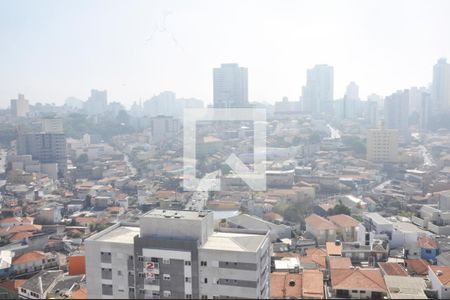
[351,102]
[382,145]
[371,113]
[440,91]
[45,147]
[20,106]
[177,254]
[318,94]
[230,86]
[164,104]
[396,113]
[52,125]
[97,102]
[163,128]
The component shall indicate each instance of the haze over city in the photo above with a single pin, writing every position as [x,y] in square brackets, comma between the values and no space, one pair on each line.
[52,50]
[224,149]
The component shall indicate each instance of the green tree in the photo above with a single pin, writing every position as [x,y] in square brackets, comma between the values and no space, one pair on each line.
[339,209]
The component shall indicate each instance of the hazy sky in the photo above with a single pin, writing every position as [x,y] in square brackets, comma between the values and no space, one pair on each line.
[50,50]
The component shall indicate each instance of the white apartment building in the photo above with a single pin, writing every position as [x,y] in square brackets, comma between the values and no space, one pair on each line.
[382,145]
[230,86]
[20,106]
[176,254]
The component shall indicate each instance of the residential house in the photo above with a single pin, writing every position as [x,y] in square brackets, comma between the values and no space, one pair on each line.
[346,227]
[322,229]
[440,280]
[417,267]
[38,286]
[428,248]
[393,269]
[307,285]
[401,287]
[33,261]
[357,283]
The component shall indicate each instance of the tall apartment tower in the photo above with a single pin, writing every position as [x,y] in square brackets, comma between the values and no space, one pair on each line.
[45,147]
[382,145]
[351,102]
[318,94]
[96,103]
[440,90]
[20,106]
[230,86]
[176,254]
[396,113]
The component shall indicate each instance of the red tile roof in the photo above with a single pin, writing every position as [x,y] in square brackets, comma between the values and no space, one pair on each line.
[417,266]
[427,243]
[289,285]
[19,228]
[285,285]
[316,221]
[333,249]
[20,236]
[442,273]
[392,269]
[312,284]
[357,279]
[28,257]
[338,262]
[12,285]
[343,221]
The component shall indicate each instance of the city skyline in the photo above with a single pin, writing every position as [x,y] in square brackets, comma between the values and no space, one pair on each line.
[121,54]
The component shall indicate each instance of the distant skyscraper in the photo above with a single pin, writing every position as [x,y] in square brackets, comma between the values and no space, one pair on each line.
[440,92]
[351,101]
[318,94]
[164,104]
[371,113]
[396,112]
[97,102]
[19,106]
[230,86]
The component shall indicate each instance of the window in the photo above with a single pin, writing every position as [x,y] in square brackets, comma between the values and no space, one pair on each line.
[167,293]
[188,279]
[166,261]
[130,273]
[354,291]
[131,289]
[188,296]
[428,251]
[206,280]
[140,258]
[203,263]
[204,297]
[187,262]
[155,293]
[362,292]
[154,259]
[23,291]
[166,277]
[131,257]
[141,292]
